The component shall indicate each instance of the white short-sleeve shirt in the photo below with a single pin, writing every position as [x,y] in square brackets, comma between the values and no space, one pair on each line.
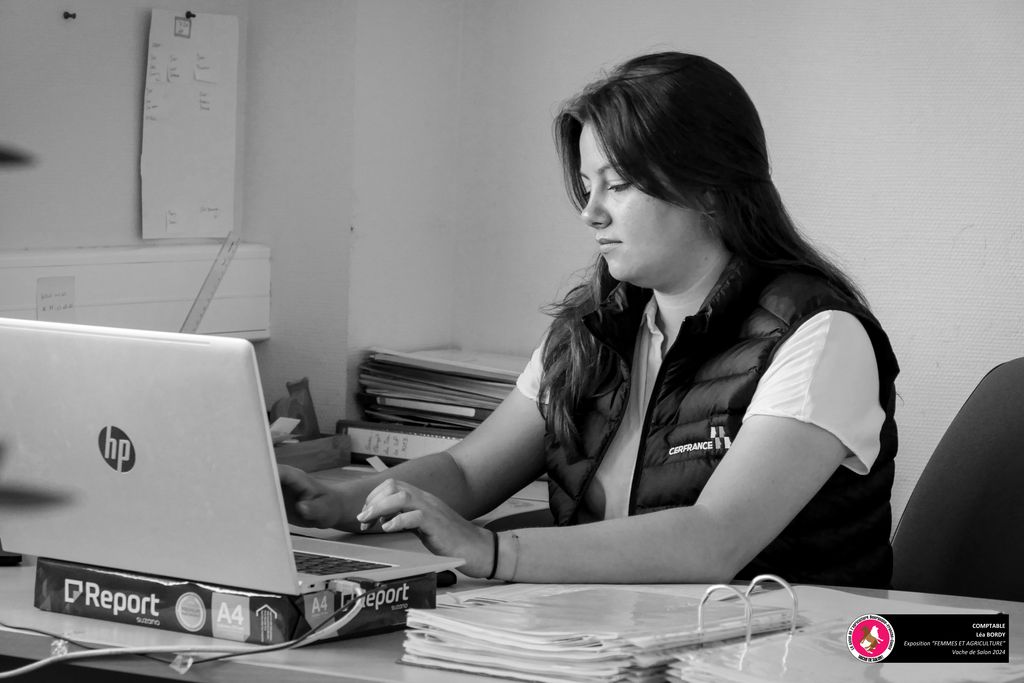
[825,374]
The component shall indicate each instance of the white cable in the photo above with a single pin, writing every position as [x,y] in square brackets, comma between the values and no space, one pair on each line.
[117,651]
[314,636]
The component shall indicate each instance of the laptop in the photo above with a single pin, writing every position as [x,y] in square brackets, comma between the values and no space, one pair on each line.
[150,452]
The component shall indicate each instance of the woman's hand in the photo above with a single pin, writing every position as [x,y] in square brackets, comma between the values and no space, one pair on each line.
[399,506]
[307,501]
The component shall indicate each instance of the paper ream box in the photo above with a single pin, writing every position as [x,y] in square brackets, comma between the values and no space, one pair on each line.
[219,611]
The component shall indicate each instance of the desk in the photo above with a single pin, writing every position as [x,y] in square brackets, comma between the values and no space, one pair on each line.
[371,658]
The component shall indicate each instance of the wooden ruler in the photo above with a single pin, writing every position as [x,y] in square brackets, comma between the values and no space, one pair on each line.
[210,284]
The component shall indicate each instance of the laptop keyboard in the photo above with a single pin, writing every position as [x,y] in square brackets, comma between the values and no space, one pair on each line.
[322,565]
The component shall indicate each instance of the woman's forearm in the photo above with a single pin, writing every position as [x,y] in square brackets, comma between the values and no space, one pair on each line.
[683,545]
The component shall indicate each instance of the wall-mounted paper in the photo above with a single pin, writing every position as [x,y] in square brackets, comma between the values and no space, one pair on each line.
[55,299]
[188,128]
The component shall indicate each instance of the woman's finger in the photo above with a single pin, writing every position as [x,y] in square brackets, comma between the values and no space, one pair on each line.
[390,504]
[385,504]
[405,521]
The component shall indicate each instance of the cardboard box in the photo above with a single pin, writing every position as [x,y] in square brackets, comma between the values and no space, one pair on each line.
[221,612]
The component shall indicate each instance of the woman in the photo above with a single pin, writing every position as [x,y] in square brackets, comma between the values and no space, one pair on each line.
[715,402]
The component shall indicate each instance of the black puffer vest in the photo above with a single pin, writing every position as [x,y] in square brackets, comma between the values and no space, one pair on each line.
[707,379]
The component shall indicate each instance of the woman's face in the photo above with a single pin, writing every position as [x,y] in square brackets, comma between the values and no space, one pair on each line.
[645,241]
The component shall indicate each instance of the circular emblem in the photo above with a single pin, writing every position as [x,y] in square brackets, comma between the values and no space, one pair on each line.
[870,638]
[190,611]
[117,449]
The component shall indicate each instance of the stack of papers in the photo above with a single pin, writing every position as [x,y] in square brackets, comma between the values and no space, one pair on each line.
[441,388]
[575,632]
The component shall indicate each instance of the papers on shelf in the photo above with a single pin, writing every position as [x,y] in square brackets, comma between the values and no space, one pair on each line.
[576,632]
[479,364]
[441,388]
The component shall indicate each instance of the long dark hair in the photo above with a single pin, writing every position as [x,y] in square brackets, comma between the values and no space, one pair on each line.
[680,128]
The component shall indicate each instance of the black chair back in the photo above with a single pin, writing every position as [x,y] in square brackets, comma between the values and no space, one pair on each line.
[962,532]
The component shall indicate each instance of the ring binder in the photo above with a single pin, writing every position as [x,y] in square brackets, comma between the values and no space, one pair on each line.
[585,633]
[745,597]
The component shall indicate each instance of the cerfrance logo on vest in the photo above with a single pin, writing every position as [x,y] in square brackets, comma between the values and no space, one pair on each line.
[117,449]
[717,441]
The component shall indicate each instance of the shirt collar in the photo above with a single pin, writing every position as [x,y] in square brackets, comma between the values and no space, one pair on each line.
[650,317]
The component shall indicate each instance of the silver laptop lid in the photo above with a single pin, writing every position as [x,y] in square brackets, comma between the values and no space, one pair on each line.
[143,451]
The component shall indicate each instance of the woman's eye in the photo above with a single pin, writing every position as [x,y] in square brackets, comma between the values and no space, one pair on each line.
[618,187]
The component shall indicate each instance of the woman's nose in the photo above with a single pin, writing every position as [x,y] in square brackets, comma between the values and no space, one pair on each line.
[594,214]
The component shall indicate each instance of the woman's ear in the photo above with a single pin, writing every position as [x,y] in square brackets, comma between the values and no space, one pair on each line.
[708,204]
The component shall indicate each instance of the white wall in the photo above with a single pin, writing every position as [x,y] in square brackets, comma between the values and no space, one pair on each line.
[299,189]
[407,65]
[71,93]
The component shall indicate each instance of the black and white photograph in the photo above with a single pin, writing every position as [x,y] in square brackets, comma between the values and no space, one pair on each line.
[535,340]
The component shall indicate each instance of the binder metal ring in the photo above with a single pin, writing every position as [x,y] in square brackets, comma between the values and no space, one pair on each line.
[707,593]
[782,582]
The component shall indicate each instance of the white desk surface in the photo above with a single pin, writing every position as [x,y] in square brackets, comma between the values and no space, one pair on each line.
[370,658]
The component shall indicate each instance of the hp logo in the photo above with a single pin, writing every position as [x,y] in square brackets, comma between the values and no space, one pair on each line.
[117,449]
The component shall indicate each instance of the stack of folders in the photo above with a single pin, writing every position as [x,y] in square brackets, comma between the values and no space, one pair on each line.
[582,633]
[440,388]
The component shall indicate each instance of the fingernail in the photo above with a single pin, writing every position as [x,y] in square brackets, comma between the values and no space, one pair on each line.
[388,525]
[363,526]
[363,514]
